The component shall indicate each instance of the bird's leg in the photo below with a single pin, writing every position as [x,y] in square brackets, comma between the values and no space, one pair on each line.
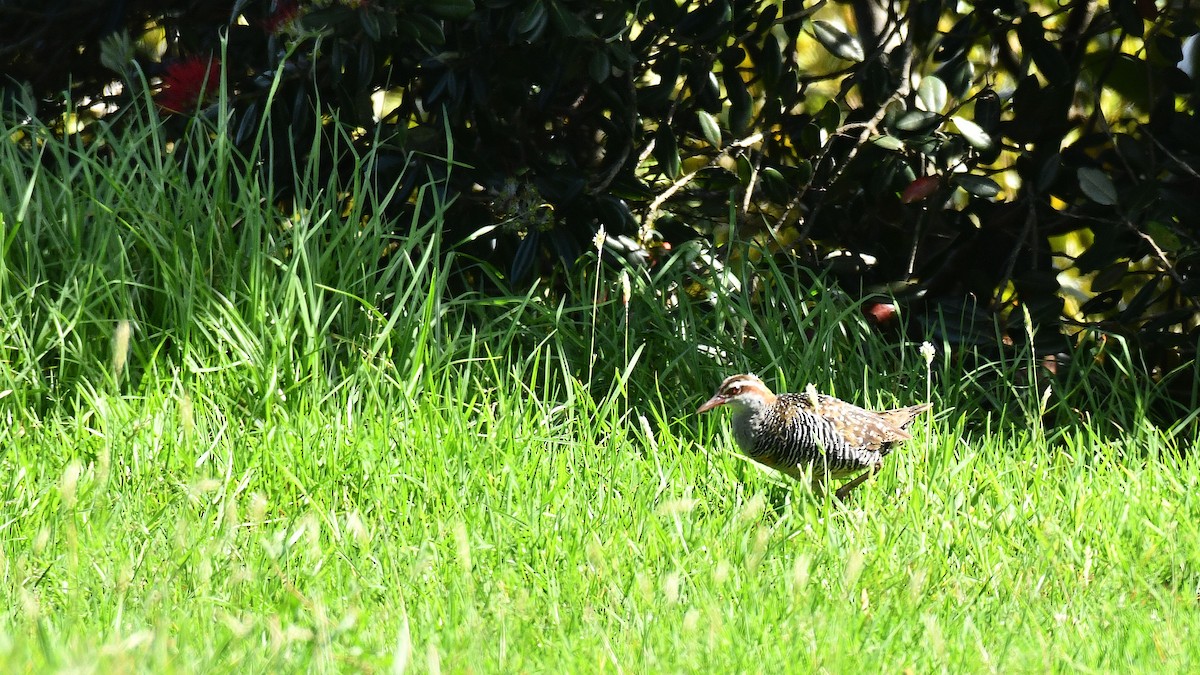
[844,490]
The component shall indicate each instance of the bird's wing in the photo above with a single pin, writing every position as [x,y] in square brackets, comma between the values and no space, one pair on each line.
[859,427]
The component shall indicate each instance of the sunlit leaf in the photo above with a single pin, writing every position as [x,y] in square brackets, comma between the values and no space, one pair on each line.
[932,93]
[837,41]
[710,128]
[888,142]
[976,136]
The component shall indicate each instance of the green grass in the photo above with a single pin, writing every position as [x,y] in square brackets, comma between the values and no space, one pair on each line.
[236,441]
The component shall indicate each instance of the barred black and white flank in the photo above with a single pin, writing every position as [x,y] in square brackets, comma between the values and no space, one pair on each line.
[811,434]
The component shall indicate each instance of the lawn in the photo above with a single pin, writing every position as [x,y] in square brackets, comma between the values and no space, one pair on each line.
[238,440]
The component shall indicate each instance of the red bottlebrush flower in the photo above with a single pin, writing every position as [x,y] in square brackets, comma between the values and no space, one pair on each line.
[283,12]
[186,83]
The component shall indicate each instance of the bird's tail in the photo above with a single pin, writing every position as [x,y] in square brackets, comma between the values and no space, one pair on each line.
[901,418]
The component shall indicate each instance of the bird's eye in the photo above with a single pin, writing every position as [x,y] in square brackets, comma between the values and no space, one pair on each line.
[734,391]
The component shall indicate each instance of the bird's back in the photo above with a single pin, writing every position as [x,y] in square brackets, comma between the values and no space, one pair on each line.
[802,430]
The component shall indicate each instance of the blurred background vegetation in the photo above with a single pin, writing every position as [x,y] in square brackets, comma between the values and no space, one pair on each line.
[990,175]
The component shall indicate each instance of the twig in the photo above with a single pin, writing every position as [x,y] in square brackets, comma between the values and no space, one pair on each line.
[868,128]
[1162,258]
[652,213]
[1182,164]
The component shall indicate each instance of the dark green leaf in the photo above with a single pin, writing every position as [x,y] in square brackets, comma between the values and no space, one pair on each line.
[1127,15]
[1097,185]
[1142,301]
[810,139]
[987,111]
[666,151]
[705,22]
[957,74]
[248,125]
[531,21]
[1101,302]
[980,186]
[1169,320]
[744,170]
[739,102]
[706,88]
[560,186]
[924,16]
[366,67]
[732,57]
[892,112]
[766,19]
[956,40]
[599,67]
[1110,276]
[776,185]
[1048,59]
[830,116]
[370,25]
[428,30]
[614,214]
[1049,172]
[1105,248]
[526,253]
[1166,50]
[452,9]
[668,66]
[770,61]
[1132,78]
[567,23]
[319,20]
[564,245]
[1166,236]
[882,179]
[918,121]
[951,151]
[337,59]
[1028,103]
[876,82]
[802,172]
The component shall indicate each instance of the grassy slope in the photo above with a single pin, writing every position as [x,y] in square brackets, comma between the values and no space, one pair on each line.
[284,477]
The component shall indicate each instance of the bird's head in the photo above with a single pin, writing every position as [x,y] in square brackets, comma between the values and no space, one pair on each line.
[740,391]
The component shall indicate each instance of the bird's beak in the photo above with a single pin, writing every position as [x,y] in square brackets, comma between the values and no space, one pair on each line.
[712,403]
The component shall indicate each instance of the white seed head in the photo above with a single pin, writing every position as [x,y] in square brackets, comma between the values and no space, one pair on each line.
[598,240]
[928,352]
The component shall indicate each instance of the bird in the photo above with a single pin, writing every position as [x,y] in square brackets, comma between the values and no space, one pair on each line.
[811,435]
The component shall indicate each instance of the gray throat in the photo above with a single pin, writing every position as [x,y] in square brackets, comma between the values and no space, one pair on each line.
[747,420]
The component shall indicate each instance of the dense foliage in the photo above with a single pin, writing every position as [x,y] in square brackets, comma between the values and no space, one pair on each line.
[1033,164]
